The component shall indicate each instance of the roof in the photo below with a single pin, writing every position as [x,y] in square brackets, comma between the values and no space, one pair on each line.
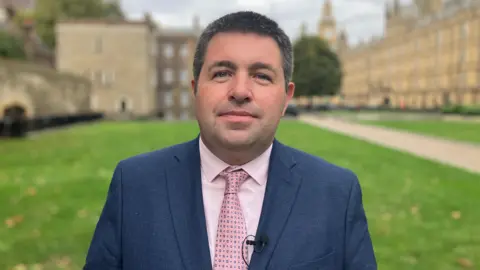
[178,31]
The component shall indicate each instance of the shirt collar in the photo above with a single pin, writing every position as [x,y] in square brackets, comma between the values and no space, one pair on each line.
[211,165]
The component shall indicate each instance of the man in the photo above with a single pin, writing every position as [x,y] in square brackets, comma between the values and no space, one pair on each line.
[234,197]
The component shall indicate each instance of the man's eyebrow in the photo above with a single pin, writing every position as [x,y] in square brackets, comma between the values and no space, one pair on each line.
[261,65]
[253,67]
[223,63]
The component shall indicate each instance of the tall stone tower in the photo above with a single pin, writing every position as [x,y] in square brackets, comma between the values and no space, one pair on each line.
[327,26]
[303,29]
[342,43]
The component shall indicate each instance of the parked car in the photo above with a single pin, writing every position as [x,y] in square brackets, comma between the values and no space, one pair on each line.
[292,110]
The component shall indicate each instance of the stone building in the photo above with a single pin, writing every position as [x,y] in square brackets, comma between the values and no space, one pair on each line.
[175,59]
[35,91]
[137,67]
[428,56]
[119,57]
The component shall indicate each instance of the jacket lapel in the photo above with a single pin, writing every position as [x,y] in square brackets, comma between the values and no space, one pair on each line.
[280,194]
[186,205]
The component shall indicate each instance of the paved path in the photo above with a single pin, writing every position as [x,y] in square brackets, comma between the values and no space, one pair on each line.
[462,155]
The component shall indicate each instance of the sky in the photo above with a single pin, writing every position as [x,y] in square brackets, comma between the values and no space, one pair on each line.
[361,19]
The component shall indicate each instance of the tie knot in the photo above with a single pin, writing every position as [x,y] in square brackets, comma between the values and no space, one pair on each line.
[235,177]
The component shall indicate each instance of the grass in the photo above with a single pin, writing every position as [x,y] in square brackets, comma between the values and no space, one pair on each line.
[461,131]
[422,215]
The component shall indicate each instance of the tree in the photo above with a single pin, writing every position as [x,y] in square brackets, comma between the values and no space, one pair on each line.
[317,70]
[113,10]
[48,12]
[11,46]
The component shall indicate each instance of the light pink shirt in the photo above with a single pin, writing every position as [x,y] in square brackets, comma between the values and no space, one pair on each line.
[251,192]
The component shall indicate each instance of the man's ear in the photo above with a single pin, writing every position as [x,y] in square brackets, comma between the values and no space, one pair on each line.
[290,93]
[194,90]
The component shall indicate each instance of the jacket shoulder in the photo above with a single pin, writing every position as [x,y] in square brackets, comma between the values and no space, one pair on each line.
[153,159]
[317,169]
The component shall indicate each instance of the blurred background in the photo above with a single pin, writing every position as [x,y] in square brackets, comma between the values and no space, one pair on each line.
[388,88]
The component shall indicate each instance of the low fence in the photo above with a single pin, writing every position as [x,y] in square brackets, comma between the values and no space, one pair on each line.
[21,127]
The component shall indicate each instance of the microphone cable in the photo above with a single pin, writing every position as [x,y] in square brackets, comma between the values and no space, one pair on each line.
[243,253]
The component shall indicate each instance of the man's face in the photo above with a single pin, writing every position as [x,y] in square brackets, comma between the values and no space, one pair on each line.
[241,93]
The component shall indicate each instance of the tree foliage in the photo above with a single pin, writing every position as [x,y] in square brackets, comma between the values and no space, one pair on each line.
[317,70]
[11,46]
[48,12]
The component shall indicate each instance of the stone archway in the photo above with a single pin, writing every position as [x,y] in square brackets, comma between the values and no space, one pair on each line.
[14,121]
[15,109]
[10,99]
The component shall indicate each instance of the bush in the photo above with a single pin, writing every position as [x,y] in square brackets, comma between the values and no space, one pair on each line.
[471,110]
[462,109]
[11,47]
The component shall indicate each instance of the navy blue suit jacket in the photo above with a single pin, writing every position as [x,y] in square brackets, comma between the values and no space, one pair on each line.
[153,218]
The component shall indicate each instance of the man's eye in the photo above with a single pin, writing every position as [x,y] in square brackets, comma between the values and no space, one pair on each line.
[263,77]
[221,74]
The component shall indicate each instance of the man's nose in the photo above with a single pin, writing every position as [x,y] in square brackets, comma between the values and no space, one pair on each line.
[241,91]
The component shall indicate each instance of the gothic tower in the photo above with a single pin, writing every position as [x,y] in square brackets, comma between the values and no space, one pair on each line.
[327,26]
[303,29]
[342,43]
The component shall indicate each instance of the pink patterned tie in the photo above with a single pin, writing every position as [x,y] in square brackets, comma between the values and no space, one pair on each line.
[231,229]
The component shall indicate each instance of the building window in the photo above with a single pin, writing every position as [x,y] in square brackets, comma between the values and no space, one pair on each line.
[168,98]
[94,102]
[185,115]
[97,45]
[185,98]
[184,50]
[103,78]
[329,33]
[184,77]
[153,79]
[169,115]
[168,75]
[108,78]
[168,50]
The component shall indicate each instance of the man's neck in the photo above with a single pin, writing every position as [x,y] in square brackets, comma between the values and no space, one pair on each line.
[237,156]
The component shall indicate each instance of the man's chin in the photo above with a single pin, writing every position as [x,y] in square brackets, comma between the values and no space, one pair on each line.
[237,139]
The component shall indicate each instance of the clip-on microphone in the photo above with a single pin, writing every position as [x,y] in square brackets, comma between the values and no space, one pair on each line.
[259,243]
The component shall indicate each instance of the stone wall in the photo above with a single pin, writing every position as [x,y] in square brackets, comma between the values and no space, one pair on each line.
[42,91]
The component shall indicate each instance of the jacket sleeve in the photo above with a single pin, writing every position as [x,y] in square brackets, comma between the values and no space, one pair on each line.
[104,252]
[359,252]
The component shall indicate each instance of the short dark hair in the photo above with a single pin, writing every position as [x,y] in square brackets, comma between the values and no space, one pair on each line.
[244,22]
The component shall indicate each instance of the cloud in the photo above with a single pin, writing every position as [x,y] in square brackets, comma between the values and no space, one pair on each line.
[360,18]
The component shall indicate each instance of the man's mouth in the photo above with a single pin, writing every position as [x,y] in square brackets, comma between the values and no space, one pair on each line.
[237,113]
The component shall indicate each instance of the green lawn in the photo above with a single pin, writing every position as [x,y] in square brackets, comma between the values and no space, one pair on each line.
[422,215]
[462,131]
